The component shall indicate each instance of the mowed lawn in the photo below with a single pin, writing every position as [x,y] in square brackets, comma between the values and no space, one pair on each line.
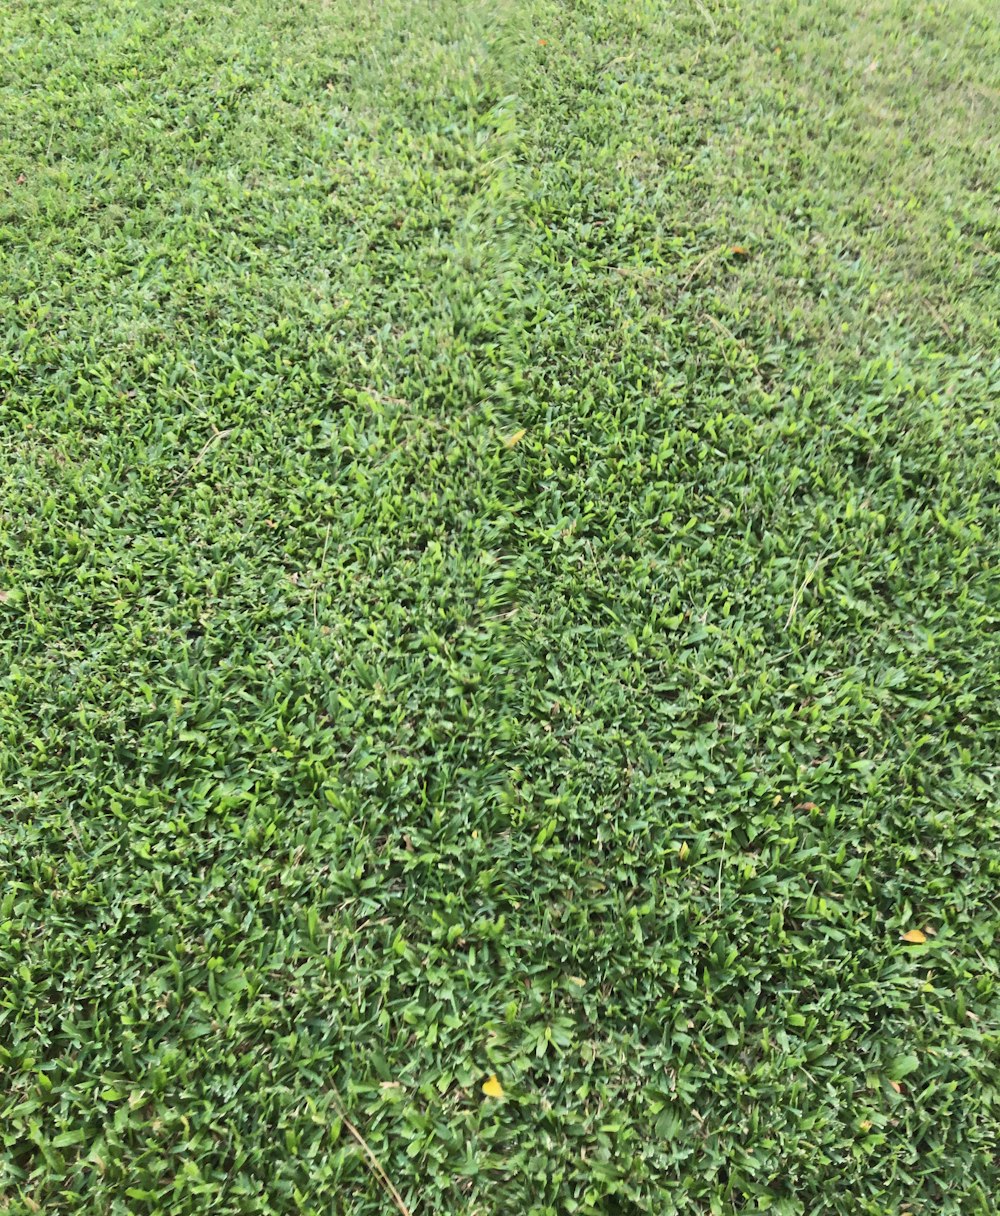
[499,578]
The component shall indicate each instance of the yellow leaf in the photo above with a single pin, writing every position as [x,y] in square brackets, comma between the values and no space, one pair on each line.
[515,438]
[683,851]
[865,1125]
[492,1087]
[914,936]
[896,1086]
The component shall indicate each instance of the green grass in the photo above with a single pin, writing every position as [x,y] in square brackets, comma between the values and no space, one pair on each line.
[351,753]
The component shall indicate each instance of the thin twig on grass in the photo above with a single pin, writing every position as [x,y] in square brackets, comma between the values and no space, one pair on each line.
[319,573]
[708,17]
[371,1160]
[701,264]
[800,589]
[216,438]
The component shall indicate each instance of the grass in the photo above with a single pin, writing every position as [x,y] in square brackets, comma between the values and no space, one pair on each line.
[498,575]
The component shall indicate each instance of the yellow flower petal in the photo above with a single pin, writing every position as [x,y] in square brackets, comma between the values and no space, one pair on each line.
[492,1087]
[914,936]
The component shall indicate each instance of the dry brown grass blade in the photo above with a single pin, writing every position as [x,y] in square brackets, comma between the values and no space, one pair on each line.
[372,1161]
[216,438]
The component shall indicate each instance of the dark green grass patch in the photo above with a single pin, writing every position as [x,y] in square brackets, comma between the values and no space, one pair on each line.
[498,575]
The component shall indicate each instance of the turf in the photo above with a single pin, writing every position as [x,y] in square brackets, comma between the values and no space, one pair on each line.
[498,575]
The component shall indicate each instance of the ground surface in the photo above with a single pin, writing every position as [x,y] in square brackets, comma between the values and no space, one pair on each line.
[498,575]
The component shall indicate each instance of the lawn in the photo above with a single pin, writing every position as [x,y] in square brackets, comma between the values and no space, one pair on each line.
[499,578]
